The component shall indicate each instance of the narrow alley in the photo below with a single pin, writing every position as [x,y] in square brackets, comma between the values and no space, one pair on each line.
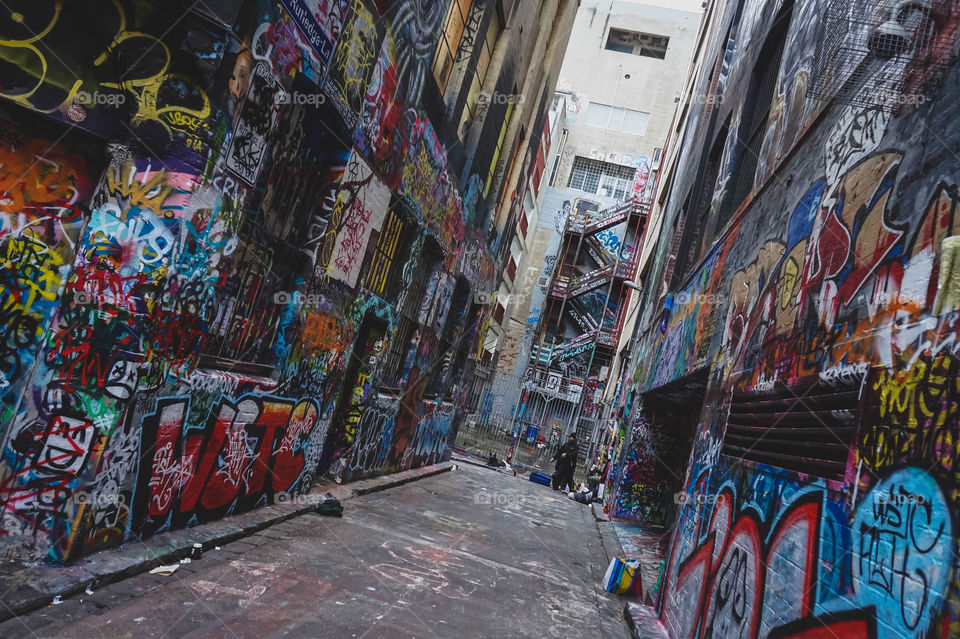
[467,553]
[473,318]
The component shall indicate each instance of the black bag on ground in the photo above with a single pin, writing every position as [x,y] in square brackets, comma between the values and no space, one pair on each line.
[330,507]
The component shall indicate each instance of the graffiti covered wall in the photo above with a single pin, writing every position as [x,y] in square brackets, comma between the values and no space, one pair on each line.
[838,267]
[194,306]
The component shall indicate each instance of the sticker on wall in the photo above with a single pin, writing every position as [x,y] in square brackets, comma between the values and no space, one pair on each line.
[317,23]
[254,124]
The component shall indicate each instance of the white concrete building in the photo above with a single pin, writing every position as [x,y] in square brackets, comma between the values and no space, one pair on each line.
[622,79]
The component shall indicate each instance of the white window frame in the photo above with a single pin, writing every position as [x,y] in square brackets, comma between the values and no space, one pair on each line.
[612,118]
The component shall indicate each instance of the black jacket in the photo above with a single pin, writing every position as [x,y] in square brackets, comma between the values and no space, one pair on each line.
[571,459]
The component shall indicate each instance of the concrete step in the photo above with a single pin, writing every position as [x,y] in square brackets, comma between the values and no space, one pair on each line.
[644,622]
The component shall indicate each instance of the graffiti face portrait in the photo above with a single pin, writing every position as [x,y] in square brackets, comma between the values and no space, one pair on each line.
[242,72]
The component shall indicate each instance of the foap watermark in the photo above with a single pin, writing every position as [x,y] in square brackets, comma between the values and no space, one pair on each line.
[501,98]
[285,298]
[683,298]
[486,299]
[83,298]
[704,100]
[302,98]
[504,500]
[897,99]
[683,499]
[294,499]
[98,499]
[99,99]
[890,498]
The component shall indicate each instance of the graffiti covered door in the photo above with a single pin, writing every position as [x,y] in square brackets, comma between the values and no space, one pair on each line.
[660,443]
[364,360]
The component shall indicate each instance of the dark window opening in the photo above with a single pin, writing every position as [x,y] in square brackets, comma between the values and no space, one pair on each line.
[757,108]
[427,268]
[397,357]
[451,336]
[407,337]
[674,271]
[706,198]
[256,285]
[636,43]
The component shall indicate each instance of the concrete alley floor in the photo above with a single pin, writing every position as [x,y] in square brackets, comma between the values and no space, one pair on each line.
[470,553]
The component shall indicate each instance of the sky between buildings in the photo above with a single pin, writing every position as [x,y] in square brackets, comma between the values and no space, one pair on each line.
[682,5]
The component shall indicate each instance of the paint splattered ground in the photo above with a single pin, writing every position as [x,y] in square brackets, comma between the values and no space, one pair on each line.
[471,553]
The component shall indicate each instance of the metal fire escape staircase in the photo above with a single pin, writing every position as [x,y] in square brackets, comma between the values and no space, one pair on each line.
[584,228]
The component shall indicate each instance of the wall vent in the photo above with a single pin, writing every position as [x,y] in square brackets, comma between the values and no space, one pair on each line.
[808,425]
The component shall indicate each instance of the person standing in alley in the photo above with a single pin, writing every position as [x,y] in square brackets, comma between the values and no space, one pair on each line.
[566,463]
[558,468]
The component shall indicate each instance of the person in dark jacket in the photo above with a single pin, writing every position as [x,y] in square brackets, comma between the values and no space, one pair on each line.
[557,468]
[566,458]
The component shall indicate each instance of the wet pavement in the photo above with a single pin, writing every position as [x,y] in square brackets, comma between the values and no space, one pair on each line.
[471,553]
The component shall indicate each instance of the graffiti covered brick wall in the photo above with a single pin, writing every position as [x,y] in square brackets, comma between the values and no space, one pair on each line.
[216,300]
[837,267]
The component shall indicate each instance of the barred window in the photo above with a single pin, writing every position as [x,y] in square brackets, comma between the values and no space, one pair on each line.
[251,294]
[603,178]
[399,349]
[756,111]
[386,263]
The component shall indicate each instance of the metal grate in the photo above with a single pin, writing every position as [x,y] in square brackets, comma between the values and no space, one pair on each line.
[595,176]
[863,49]
[807,426]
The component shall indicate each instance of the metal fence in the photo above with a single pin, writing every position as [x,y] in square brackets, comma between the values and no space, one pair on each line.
[527,437]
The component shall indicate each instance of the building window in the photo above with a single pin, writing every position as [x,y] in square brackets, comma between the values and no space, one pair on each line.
[476,83]
[255,286]
[449,42]
[614,118]
[556,166]
[382,264]
[593,176]
[756,111]
[656,154]
[636,43]
[651,183]
[499,149]
[399,351]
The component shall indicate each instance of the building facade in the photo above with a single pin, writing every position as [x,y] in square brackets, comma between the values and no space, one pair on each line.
[617,89]
[791,411]
[245,247]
